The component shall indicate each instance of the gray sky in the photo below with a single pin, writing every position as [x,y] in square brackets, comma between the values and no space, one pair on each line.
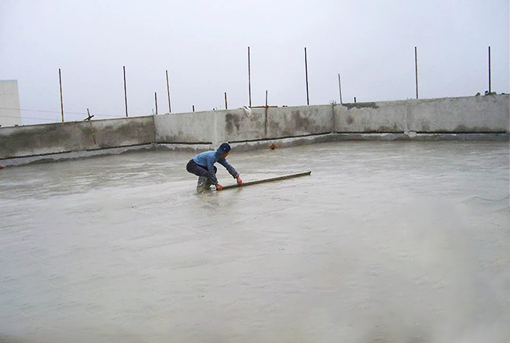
[203,45]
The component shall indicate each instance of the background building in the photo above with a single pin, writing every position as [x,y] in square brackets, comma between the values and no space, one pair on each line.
[10,113]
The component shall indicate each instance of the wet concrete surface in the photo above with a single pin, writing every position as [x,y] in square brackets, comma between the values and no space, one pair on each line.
[384,242]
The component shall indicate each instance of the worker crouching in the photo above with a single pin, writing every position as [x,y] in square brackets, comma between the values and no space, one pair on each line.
[202,165]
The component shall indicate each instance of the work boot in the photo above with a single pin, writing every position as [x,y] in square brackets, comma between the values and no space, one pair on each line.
[203,184]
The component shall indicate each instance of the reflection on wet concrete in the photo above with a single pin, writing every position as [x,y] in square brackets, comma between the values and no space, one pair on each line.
[385,242]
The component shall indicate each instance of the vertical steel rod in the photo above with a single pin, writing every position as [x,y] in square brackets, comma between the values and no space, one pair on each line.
[340,88]
[89,118]
[490,81]
[61,97]
[266,116]
[226,102]
[306,73]
[354,99]
[125,90]
[156,101]
[416,68]
[168,92]
[193,107]
[249,75]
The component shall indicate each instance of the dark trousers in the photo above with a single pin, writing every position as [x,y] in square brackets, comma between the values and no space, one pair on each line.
[194,168]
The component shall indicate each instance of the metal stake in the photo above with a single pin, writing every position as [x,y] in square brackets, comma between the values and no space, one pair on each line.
[266,115]
[125,90]
[168,92]
[156,101]
[61,97]
[306,73]
[354,99]
[226,102]
[249,75]
[416,68]
[89,117]
[193,106]
[340,88]
[490,78]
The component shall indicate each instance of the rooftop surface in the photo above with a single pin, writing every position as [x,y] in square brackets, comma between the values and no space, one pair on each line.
[385,241]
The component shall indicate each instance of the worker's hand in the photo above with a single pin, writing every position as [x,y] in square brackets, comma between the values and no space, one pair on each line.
[239,181]
[219,187]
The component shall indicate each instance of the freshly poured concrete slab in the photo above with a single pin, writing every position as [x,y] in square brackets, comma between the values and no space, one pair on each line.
[385,241]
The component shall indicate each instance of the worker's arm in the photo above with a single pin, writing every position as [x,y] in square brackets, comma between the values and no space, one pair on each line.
[223,161]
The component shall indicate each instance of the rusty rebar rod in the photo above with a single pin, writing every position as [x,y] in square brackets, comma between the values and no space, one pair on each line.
[89,119]
[61,97]
[125,90]
[168,93]
[279,178]
[340,88]
[416,68]
[490,76]
[306,74]
[156,101]
[249,76]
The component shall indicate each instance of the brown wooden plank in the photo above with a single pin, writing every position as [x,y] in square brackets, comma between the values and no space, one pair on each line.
[279,178]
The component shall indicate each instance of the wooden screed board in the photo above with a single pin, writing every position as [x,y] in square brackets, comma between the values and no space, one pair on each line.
[279,178]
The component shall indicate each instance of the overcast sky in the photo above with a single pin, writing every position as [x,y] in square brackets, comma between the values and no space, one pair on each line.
[203,45]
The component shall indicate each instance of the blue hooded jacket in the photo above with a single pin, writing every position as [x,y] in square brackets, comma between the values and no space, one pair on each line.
[207,160]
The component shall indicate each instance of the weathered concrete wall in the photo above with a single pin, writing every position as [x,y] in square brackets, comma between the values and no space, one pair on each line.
[453,116]
[476,114]
[195,127]
[10,114]
[237,125]
[75,136]
[481,114]
[387,116]
[471,114]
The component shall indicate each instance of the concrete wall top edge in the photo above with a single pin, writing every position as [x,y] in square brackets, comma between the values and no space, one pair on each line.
[344,104]
[74,122]
[240,109]
[426,99]
[194,113]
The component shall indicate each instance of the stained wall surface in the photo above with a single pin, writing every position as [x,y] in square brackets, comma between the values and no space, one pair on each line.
[75,136]
[481,114]
[476,114]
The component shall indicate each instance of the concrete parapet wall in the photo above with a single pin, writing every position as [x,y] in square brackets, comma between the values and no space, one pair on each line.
[46,139]
[387,116]
[275,123]
[239,125]
[402,119]
[194,127]
[448,115]
[460,115]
